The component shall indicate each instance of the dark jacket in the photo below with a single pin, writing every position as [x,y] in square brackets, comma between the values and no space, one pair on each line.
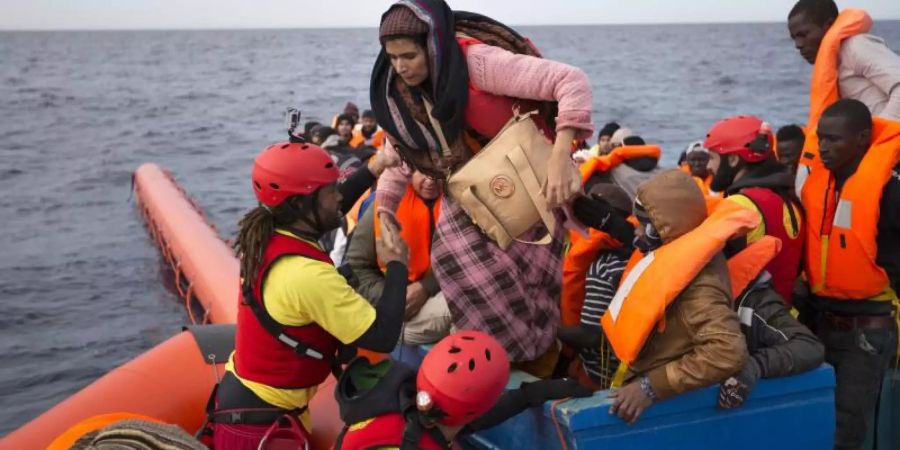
[780,345]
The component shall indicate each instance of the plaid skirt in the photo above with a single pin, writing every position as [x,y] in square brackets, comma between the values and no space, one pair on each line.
[512,295]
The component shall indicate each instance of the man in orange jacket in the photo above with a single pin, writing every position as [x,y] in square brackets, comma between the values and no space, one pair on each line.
[849,62]
[852,257]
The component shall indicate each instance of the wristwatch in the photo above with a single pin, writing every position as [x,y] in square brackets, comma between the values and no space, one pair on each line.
[644,382]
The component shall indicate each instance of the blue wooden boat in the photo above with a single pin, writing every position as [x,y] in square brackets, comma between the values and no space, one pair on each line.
[786,413]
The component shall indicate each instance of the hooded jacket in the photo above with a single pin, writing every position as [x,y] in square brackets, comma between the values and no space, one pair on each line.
[702,343]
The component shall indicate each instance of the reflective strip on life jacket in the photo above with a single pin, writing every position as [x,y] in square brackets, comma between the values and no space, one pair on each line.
[264,357]
[654,282]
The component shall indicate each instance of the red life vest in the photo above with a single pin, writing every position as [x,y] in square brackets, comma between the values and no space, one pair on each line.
[486,113]
[259,356]
[786,265]
[381,432]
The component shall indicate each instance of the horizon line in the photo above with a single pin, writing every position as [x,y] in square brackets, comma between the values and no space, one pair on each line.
[264,28]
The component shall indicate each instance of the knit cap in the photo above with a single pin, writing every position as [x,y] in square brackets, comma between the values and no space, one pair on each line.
[401,21]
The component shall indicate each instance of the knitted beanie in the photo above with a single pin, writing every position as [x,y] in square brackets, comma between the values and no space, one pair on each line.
[401,21]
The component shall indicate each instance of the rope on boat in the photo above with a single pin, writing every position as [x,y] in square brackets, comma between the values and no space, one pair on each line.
[183,286]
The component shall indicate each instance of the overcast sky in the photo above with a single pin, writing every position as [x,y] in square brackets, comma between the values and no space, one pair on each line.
[193,14]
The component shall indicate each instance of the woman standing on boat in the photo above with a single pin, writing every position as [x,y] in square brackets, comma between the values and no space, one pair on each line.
[296,310]
[430,52]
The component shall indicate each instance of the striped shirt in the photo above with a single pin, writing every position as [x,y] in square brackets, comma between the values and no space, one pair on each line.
[600,287]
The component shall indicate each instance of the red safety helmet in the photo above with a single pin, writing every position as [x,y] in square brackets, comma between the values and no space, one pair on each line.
[746,136]
[286,169]
[463,375]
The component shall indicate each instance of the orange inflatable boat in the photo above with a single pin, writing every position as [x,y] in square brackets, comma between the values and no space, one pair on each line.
[172,381]
[205,267]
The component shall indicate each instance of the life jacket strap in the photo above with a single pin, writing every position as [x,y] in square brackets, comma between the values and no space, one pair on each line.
[276,329]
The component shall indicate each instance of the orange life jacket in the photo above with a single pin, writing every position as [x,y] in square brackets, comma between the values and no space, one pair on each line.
[417,223]
[352,216]
[824,89]
[583,251]
[701,183]
[650,284]
[745,266]
[377,139]
[616,157]
[842,227]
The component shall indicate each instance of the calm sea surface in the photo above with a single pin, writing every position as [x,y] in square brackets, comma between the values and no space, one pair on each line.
[81,284]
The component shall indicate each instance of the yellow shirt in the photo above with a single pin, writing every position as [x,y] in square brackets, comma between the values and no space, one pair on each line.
[300,291]
[760,230]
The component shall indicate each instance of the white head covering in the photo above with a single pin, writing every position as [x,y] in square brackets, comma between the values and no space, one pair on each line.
[618,138]
[696,146]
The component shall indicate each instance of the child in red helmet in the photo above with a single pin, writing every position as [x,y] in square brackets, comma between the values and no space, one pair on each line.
[458,389]
[296,311]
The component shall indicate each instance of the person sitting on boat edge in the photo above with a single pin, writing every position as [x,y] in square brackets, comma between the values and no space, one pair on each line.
[778,344]
[457,390]
[607,209]
[295,309]
[848,61]
[852,257]
[679,276]
[427,317]
[745,170]
[430,52]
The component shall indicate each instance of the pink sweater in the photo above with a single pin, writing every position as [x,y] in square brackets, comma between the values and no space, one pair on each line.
[500,72]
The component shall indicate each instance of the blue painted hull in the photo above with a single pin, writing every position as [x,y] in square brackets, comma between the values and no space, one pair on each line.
[786,413]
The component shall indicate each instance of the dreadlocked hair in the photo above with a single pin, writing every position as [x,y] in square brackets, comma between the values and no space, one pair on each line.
[256,228]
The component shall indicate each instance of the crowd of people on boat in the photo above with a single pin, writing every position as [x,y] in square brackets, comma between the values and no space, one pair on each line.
[466,210]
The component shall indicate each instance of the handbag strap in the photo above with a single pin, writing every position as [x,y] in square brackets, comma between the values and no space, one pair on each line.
[532,186]
[445,146]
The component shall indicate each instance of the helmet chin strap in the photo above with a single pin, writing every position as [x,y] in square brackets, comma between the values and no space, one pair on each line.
[311,203]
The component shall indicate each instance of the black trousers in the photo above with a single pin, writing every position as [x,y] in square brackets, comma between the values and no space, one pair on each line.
[860,358]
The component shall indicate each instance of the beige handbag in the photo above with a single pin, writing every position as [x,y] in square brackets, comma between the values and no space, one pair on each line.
[500,188]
